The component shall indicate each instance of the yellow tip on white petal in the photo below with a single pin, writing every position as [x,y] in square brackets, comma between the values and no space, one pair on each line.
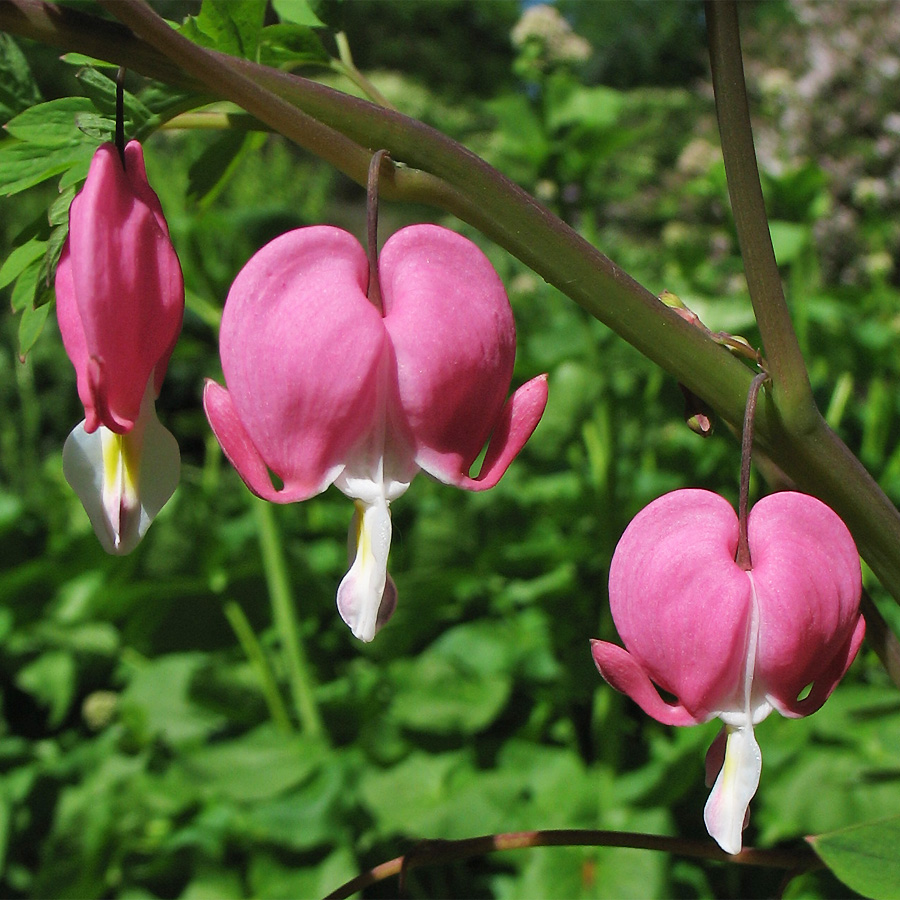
[366,595]
[726,812]
[123,481]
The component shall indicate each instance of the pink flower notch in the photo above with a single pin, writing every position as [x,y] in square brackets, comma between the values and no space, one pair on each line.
[728,642]
[325,388]
[120,302]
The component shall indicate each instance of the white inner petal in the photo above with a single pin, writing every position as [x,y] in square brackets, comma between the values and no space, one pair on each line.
[123,481]
[726,812]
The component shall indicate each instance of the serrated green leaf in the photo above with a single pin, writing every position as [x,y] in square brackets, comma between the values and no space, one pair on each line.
[30,327]
[19,260]
[75,174]
[24,165]
[300,12]
[58,214]
[18,89]
[50,124]
[51,258]
[26,286]
[101,90]
[96,127]
[230,26]
[291,45]
[864,857]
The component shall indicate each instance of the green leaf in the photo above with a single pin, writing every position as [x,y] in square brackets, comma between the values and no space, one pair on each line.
[30,327]
[300,12]
[48,264]
[26,286]
[159,701]
[291,45]
[258,766]
[230,26]
[51,680]
[101,89]
[19,260]
[570,104]
[18,89]
[50,124]
[789,239]
[23,165]
[864,856]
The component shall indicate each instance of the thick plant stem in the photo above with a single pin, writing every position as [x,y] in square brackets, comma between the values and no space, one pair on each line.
[452,178]
[285,618]
[785,361]
[798,860]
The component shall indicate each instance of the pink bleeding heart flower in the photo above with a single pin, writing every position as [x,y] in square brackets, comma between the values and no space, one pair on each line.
[120,302]
[726,642]
[323,388]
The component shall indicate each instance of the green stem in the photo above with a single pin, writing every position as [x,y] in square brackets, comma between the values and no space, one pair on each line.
[790,381]
[347,68]
[260,665]
[800,859]
[285,618]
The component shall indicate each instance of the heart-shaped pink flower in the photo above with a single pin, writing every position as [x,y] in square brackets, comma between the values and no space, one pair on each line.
[726,642]
[323,388]
[119,303]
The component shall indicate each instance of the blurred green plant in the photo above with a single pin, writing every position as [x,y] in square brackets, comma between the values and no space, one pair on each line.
[152,739]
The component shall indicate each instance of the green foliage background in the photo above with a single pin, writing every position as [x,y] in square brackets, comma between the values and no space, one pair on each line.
[139,755]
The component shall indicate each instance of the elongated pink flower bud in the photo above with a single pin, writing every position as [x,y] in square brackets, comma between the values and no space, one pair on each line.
[726,642]
[324,389]
[120,302]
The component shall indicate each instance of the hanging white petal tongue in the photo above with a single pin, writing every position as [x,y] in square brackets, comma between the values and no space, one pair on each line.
[367,596]
[123,480]
[726,809]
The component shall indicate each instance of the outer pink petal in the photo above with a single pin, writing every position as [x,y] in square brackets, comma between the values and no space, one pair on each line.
[680,602]
[126,282]
[808,580]
[453,332]
[243,455]
[518,419]
[623,673]
[301,350]
[72,332]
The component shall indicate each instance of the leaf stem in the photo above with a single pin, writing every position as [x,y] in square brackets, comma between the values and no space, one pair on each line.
[285,618]
[785,360]
[800,859]
[347,67]
[743,548]
[260,665]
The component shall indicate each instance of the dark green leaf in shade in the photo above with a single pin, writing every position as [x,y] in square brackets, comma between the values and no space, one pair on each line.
[51,680]
[864,857]
[18,89]
[214,163]
[291,45]
[262,764]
